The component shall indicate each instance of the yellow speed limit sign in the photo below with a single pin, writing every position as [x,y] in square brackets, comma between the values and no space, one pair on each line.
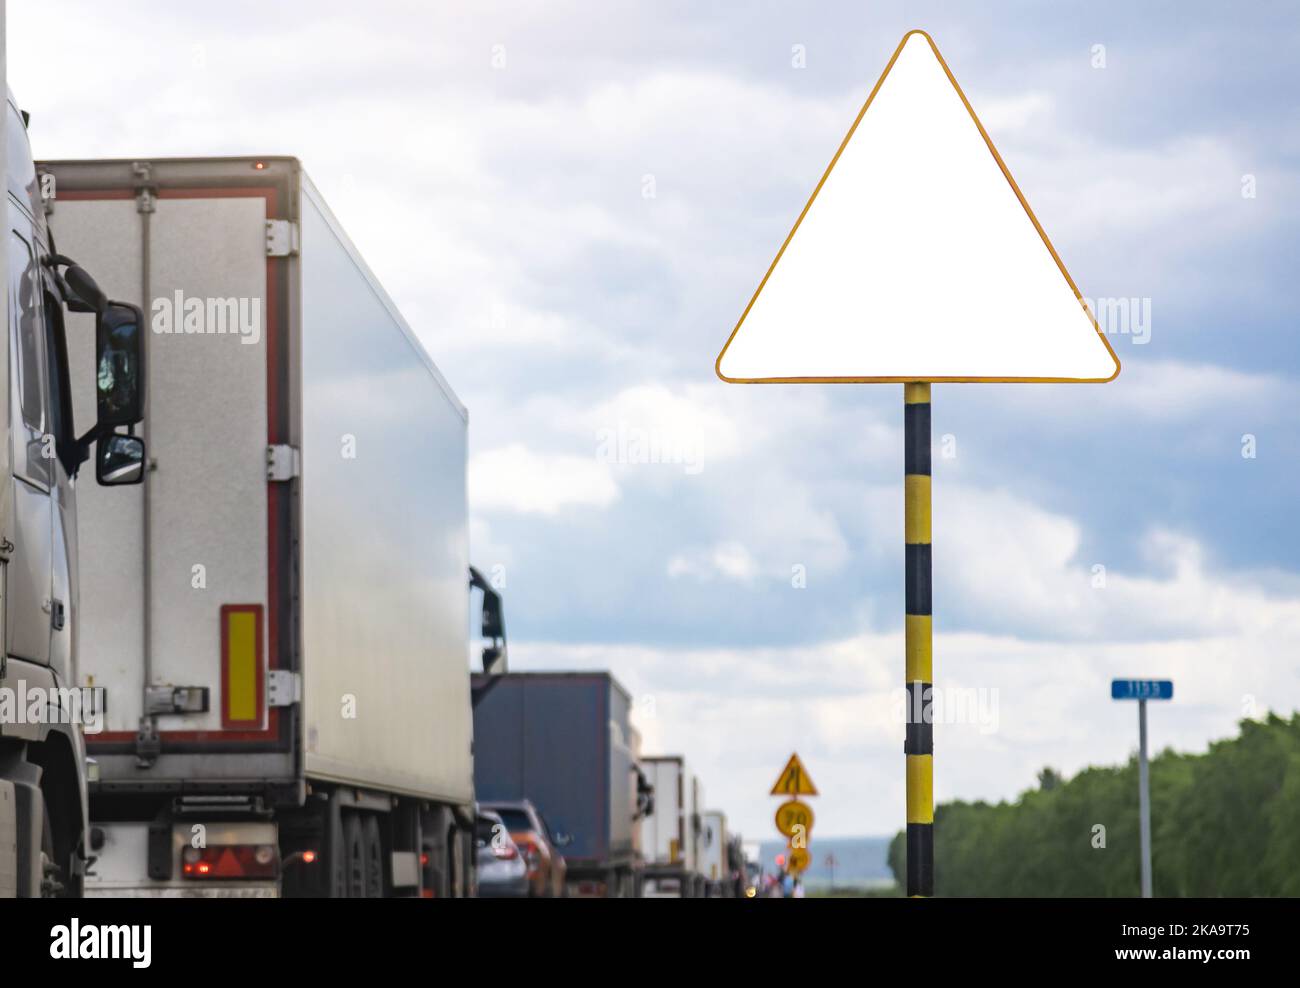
[792,814]
[798,861]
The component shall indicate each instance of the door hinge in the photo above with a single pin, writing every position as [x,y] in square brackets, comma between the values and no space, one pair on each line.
[283,688]
[283,462]
[146,196]
[281,238]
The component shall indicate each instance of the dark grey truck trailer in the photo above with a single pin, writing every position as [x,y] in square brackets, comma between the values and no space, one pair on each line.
[563,741]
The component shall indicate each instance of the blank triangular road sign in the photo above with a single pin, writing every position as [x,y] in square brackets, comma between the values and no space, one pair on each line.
[794,780]
[917,258]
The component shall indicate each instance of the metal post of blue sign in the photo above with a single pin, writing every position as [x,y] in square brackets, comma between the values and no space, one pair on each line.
[1144,799]
[1143,690]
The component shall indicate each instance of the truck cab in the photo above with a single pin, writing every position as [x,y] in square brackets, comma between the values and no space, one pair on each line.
[43,710]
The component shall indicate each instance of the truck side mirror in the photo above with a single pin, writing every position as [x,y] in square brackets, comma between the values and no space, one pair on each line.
[493,622]
[84,293]
[645,795]
[120,460]
[495,661]
[119,373]
[79,291]
[491,658]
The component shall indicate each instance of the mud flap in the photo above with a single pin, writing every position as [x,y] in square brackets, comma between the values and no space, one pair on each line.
[8,841]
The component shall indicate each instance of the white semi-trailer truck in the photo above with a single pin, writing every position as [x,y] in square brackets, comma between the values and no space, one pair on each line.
[278,616]
[42,712]
[671,833]
[714,850]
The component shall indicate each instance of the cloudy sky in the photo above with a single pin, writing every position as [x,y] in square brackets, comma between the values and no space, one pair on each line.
[572,203]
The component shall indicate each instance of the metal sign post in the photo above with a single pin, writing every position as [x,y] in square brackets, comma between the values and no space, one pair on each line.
[1144,799]
[1143,690]
[918,631]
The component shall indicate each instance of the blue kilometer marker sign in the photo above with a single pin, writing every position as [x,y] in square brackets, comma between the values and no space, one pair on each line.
[1141,689]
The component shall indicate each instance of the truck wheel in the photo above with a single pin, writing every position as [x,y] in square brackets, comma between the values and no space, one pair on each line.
[354,848]
[374,857]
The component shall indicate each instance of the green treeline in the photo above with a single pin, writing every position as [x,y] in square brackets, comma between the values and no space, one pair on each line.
[1225,823]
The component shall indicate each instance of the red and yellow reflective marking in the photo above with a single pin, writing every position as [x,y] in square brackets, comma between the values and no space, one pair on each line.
[243,693]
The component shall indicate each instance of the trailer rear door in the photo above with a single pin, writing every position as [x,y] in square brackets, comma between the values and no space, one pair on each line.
[179,582]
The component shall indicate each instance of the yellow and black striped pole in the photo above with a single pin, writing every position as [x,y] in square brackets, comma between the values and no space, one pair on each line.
[917,632]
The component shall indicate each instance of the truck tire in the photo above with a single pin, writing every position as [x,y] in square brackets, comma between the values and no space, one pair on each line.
[354,850]
[374,847]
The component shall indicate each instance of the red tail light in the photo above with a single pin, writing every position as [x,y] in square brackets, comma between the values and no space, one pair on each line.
[231,861]
[529,850]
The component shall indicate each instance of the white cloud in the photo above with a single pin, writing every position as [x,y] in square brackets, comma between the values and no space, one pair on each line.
[738,712]
[728,560]
[1170,391]
[691,425]
[1228,638]
[1013,564]
[516,479]
[999,116]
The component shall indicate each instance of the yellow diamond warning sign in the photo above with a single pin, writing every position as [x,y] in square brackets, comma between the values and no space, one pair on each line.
[794,780]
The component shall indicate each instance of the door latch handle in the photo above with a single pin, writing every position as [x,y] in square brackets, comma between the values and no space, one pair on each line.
[56,614]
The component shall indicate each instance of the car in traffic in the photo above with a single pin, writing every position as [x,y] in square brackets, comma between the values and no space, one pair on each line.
[502,870]
[537,843]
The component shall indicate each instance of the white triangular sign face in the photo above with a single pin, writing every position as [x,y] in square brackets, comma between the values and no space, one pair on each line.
[917,259]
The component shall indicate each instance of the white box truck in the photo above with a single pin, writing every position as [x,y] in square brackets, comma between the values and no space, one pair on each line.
[278,615]
[714,865]
[671,831]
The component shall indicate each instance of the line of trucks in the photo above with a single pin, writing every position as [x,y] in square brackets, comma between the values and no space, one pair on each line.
[628,825]
[238,663]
